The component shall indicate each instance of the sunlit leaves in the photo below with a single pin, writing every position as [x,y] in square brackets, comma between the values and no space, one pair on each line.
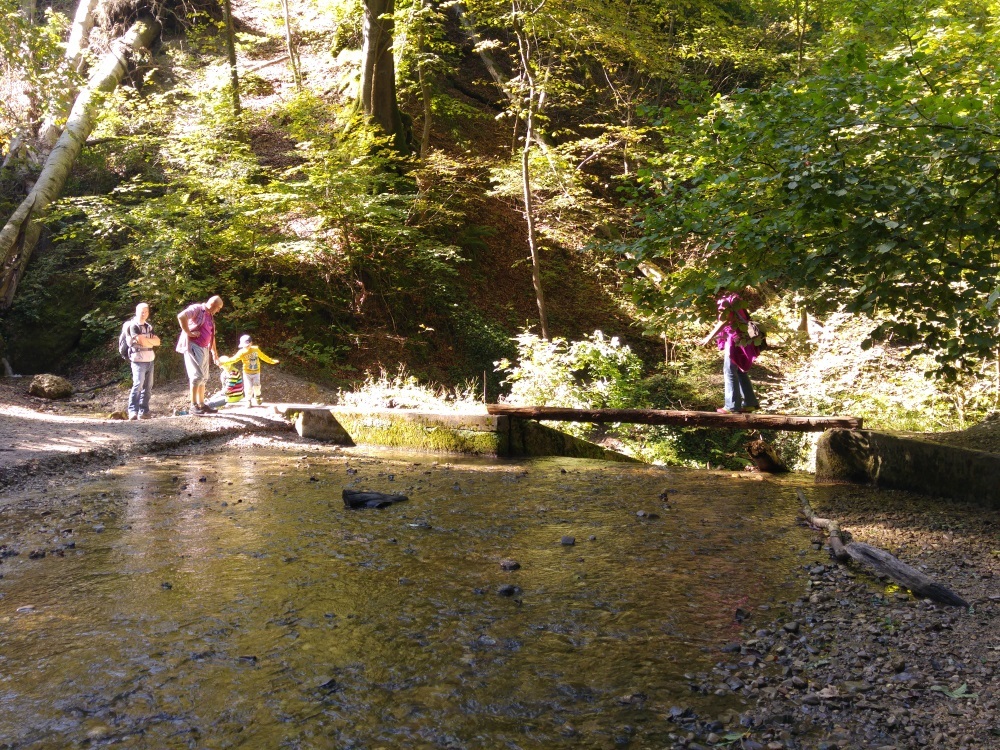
[870,186]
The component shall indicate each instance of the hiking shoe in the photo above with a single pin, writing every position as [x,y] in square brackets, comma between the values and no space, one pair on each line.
[145,415]
[132,416]
[208,410]
[195,409]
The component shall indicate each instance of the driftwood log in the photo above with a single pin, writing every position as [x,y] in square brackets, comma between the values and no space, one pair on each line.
[366,499]
[764,457]
[681,418]
[881,561]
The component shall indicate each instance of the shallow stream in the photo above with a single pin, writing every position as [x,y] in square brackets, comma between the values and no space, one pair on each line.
[230,600]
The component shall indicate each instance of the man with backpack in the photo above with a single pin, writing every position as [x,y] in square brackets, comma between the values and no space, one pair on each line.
[136,344]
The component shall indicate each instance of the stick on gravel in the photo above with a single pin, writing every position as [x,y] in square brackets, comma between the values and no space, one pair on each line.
[881,561]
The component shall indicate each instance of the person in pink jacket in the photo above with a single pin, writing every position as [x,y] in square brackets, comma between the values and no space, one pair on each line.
[739,354]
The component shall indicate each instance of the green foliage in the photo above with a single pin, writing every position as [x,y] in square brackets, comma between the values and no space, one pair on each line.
[404,390]
[341,228]
[33,74]
[869,186]
[597,372]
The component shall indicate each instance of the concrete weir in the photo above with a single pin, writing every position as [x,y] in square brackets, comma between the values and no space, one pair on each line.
[407,429]
[908,463]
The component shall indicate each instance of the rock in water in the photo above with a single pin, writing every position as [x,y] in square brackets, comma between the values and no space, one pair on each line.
[50,386]
[369,499]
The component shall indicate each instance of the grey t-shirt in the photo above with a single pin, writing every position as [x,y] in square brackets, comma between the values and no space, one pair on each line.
[139,353]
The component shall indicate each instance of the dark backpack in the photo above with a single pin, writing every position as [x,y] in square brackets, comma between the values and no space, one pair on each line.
[124,343]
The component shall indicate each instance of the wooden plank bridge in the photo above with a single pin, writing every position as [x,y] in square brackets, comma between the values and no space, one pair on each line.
[748,421]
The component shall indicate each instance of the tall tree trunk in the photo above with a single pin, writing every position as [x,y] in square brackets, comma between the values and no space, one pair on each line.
[533,97]
[234,76]
[79,36]
[425,96]
[378,72]
[20,234]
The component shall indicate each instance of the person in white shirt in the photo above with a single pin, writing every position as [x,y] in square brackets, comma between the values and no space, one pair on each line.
[141,342]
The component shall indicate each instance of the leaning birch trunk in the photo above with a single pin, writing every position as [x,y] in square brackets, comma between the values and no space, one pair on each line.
[20,234]
[79,36]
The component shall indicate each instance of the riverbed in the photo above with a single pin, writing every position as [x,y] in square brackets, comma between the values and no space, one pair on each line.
[229,599]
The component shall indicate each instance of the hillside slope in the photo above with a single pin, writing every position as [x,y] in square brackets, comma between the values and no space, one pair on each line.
[364,315]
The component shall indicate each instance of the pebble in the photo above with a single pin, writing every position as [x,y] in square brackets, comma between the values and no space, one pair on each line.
[510,564]
[568,541]
[508,589]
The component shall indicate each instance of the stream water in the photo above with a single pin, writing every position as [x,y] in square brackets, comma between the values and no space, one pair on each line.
[230,600]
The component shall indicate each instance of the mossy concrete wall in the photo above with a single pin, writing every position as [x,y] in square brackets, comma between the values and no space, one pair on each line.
[475,434]
[908,463]
[526,437]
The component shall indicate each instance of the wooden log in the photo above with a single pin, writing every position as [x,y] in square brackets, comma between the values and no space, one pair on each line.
[367,499]
[681,418]
[882,562]
[921,585]
[828,525]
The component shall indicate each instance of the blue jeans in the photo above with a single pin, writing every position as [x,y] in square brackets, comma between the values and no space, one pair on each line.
[739,392]
[142,388]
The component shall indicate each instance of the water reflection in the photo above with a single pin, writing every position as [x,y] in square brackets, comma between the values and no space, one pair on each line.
[229,600]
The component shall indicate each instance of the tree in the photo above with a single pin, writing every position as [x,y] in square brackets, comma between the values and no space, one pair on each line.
[870,185]
[234,76]
[378,72]
[76,46]
[30,72]
[20,234]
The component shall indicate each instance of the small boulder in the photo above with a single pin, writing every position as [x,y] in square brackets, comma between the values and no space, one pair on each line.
[368,499]
[50,386]
[510,564]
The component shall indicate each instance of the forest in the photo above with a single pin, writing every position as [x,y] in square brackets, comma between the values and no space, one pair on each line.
[537,201]
[504,215]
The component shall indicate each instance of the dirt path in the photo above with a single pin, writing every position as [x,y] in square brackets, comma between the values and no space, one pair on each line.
[38,436]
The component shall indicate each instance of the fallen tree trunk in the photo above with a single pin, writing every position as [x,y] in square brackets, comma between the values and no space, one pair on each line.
[881,561]
[20,235]
[76,45]
[681,418]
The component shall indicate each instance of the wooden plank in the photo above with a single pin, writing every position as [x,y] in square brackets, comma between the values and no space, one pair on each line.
[784,422]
